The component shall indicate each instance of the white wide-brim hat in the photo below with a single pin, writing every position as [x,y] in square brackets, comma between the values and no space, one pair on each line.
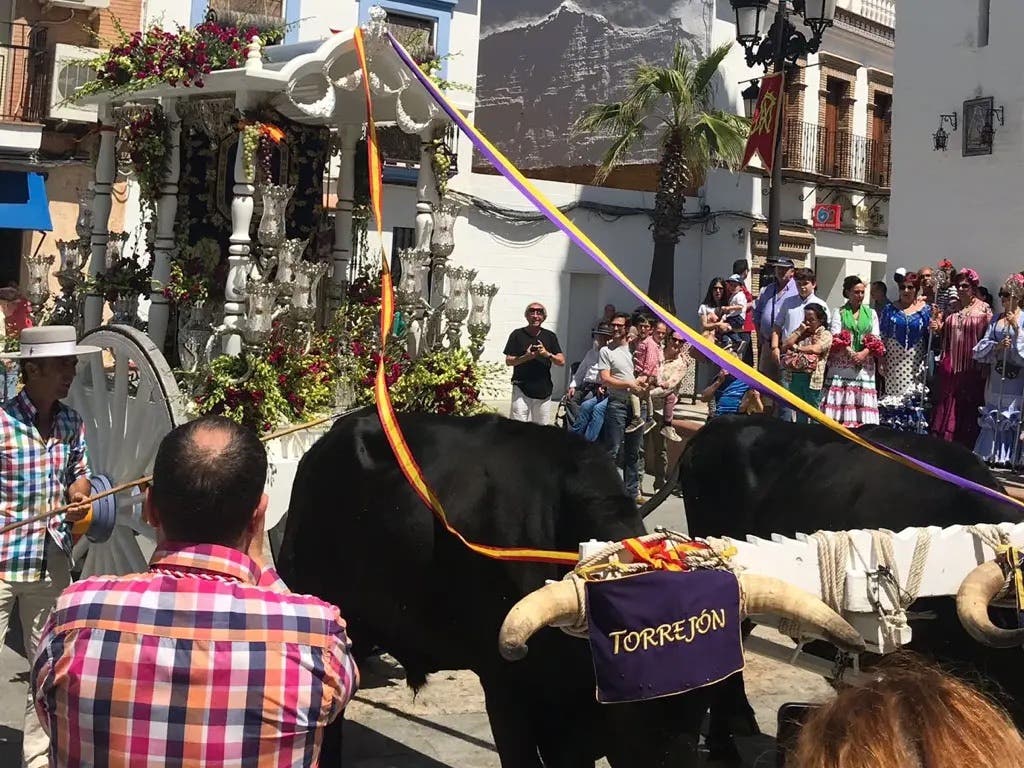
[49,341]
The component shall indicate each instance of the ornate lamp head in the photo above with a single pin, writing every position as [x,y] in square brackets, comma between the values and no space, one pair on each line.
[442,239]
[260,299]
[458,297]
[289,255]
[308,275]
[271,232]
[481,296]
[38,289]
[71,256]
[83,226]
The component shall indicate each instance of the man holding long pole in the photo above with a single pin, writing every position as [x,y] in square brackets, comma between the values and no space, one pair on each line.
[43,465]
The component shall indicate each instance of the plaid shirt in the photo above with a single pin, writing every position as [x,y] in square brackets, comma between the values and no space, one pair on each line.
[34,477]
[202,661]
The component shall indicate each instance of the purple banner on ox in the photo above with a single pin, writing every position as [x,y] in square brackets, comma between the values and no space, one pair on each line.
[732,365]
[663,633]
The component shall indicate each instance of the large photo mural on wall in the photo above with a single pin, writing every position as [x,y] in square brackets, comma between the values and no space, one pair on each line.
[542,62]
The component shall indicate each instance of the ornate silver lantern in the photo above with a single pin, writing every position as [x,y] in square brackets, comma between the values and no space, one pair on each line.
[308,275]
[38,288]
[272,231]
[83,225]
[479,324]
[289,255]
[457,306]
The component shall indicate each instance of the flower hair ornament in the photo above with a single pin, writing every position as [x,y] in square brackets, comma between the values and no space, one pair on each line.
[1014,286]
[971,275]
[945,264]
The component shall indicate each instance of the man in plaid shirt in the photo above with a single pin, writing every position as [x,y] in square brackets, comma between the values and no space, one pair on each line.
[43,465]
[207,659]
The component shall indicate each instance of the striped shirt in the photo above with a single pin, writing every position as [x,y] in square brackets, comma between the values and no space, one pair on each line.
[205,660]
[35,475]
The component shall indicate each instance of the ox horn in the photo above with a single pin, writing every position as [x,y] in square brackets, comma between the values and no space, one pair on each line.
[553,603]
[558,603]
[766,594]
[976,592]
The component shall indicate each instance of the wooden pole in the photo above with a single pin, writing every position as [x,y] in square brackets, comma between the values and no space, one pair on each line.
[142,482]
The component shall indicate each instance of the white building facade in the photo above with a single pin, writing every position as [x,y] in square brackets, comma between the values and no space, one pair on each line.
[953,60]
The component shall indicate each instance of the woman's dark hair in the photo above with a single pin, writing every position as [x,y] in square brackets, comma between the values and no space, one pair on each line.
[848,284]
[819,312]
[709,297]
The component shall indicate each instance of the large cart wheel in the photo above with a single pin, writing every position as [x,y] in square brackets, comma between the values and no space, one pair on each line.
[129,400]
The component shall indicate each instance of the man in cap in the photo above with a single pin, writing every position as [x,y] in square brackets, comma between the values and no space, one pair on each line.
[42,447]
[584,380]
[766,314]
[734,315]
[531,351]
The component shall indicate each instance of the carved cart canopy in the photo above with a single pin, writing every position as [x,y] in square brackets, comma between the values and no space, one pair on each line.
[315,83]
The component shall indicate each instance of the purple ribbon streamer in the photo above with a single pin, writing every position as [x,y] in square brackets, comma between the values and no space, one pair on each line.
[733,365]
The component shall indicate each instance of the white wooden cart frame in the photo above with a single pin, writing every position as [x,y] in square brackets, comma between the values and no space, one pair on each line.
[128,411]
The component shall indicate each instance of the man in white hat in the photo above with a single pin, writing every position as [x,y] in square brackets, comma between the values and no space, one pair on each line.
[45,465]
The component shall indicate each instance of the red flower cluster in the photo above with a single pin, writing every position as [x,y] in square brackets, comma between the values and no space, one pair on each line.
[445,393]
[874,345]
[841,340]
[184,57]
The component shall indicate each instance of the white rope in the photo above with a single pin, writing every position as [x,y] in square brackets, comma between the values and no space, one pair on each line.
[996,538]
[895,619]
[833,559]
[990,534]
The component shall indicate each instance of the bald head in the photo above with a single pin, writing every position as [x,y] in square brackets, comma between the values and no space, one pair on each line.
[208,481]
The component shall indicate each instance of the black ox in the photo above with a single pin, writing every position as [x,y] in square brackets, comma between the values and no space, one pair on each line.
[757,475]
[358,536]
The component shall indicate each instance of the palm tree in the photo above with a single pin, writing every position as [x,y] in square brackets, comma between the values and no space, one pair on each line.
[677,101]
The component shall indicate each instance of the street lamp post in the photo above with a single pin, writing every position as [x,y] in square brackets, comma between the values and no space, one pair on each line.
[781,44]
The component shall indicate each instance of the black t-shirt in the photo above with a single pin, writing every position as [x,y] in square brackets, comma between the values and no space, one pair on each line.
[534,376]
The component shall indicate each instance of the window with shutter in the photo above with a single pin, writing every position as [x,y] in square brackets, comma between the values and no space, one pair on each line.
[414,33]
[249,8]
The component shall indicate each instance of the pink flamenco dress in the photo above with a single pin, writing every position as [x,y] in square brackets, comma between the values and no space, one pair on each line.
[961,379]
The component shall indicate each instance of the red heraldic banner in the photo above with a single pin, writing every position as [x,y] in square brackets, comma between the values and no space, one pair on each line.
[764,122]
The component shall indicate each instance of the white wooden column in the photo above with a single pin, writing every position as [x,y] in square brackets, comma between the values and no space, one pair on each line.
[426,191]
[106,164]
[240,248]
[342,253]
[166,211]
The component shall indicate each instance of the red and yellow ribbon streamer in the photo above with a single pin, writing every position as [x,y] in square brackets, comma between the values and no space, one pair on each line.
[385,409]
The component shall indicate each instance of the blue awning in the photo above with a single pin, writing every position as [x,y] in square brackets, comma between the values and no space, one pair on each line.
[23,201]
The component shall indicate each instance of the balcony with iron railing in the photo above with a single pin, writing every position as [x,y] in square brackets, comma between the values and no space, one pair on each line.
[881,12]
[400,153]
[817,152]
[24,73]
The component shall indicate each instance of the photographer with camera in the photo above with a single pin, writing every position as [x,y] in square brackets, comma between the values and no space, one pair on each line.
[530,351]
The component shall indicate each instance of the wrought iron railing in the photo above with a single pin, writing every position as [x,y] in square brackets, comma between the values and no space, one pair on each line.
[24,73]
[400,148]
[814,149]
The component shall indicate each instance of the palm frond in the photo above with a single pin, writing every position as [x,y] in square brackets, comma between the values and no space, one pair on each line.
[704,73]
[614,154]
[598,118]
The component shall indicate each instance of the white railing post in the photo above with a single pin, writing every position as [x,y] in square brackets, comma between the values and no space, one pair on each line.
[166,211]
[106,167]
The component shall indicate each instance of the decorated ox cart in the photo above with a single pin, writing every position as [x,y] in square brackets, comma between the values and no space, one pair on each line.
[251,173]
[131,398]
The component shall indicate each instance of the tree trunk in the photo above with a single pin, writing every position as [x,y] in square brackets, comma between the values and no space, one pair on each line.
[661,287]
[668,222]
